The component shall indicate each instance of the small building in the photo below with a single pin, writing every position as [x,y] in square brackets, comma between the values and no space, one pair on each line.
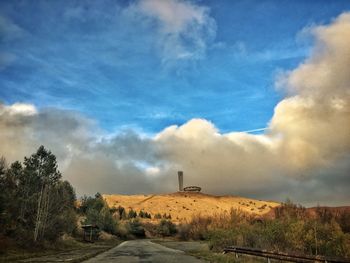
[91,232]
[192,189]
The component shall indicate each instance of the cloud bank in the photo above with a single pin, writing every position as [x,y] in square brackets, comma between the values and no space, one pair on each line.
[304,154]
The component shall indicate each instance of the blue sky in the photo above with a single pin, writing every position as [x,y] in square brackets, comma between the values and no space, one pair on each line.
[127,66]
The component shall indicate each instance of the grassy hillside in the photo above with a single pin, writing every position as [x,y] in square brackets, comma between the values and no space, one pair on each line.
[184,205]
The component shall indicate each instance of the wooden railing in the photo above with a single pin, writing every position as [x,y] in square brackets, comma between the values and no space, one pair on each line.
[282,256]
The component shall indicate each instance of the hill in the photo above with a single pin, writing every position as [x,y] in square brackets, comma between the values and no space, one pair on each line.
[184,205]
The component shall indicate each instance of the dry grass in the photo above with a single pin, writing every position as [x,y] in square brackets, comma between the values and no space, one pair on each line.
[184,206]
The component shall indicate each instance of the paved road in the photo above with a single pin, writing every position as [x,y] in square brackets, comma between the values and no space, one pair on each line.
[143,251]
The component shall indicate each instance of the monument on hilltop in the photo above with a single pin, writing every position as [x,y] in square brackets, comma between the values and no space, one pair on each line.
[191,188]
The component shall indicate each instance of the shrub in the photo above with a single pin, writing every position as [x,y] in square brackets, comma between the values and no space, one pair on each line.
[157,216]
[98,213]
[144,214]
[220,238]
[344,221]
[123,230]
[135,228]
[166,228]
[183,231]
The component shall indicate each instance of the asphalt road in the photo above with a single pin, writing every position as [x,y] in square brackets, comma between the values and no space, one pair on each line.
[143,251]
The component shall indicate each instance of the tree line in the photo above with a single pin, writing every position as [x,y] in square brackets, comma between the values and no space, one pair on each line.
[35,203]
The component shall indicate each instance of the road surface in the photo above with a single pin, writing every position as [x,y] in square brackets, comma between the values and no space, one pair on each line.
[143,251]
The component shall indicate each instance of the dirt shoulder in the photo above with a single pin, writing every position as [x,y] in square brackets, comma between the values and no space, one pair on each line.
[76,252]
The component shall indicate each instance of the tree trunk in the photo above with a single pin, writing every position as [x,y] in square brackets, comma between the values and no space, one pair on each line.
[23,204]
[46,204]
[38,215]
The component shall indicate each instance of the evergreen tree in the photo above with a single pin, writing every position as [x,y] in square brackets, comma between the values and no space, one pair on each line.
[121,211]
[35,203]
[158,216]
[41,170]
[132,214]
[98,213]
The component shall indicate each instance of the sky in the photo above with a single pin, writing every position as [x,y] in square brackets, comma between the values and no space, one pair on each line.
[247,97]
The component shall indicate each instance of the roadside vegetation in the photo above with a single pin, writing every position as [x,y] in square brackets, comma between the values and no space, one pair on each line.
[38,212]
[41,216]
[293,229]
[123,223]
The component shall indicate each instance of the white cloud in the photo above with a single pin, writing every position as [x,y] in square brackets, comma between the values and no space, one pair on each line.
[327,70]
[20,109]
[153,170]
[175,16]
[184,29]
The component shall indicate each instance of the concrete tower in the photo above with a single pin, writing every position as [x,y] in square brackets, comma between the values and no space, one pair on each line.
[181,180]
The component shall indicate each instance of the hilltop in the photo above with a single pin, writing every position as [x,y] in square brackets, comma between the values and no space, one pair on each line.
[184,205]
